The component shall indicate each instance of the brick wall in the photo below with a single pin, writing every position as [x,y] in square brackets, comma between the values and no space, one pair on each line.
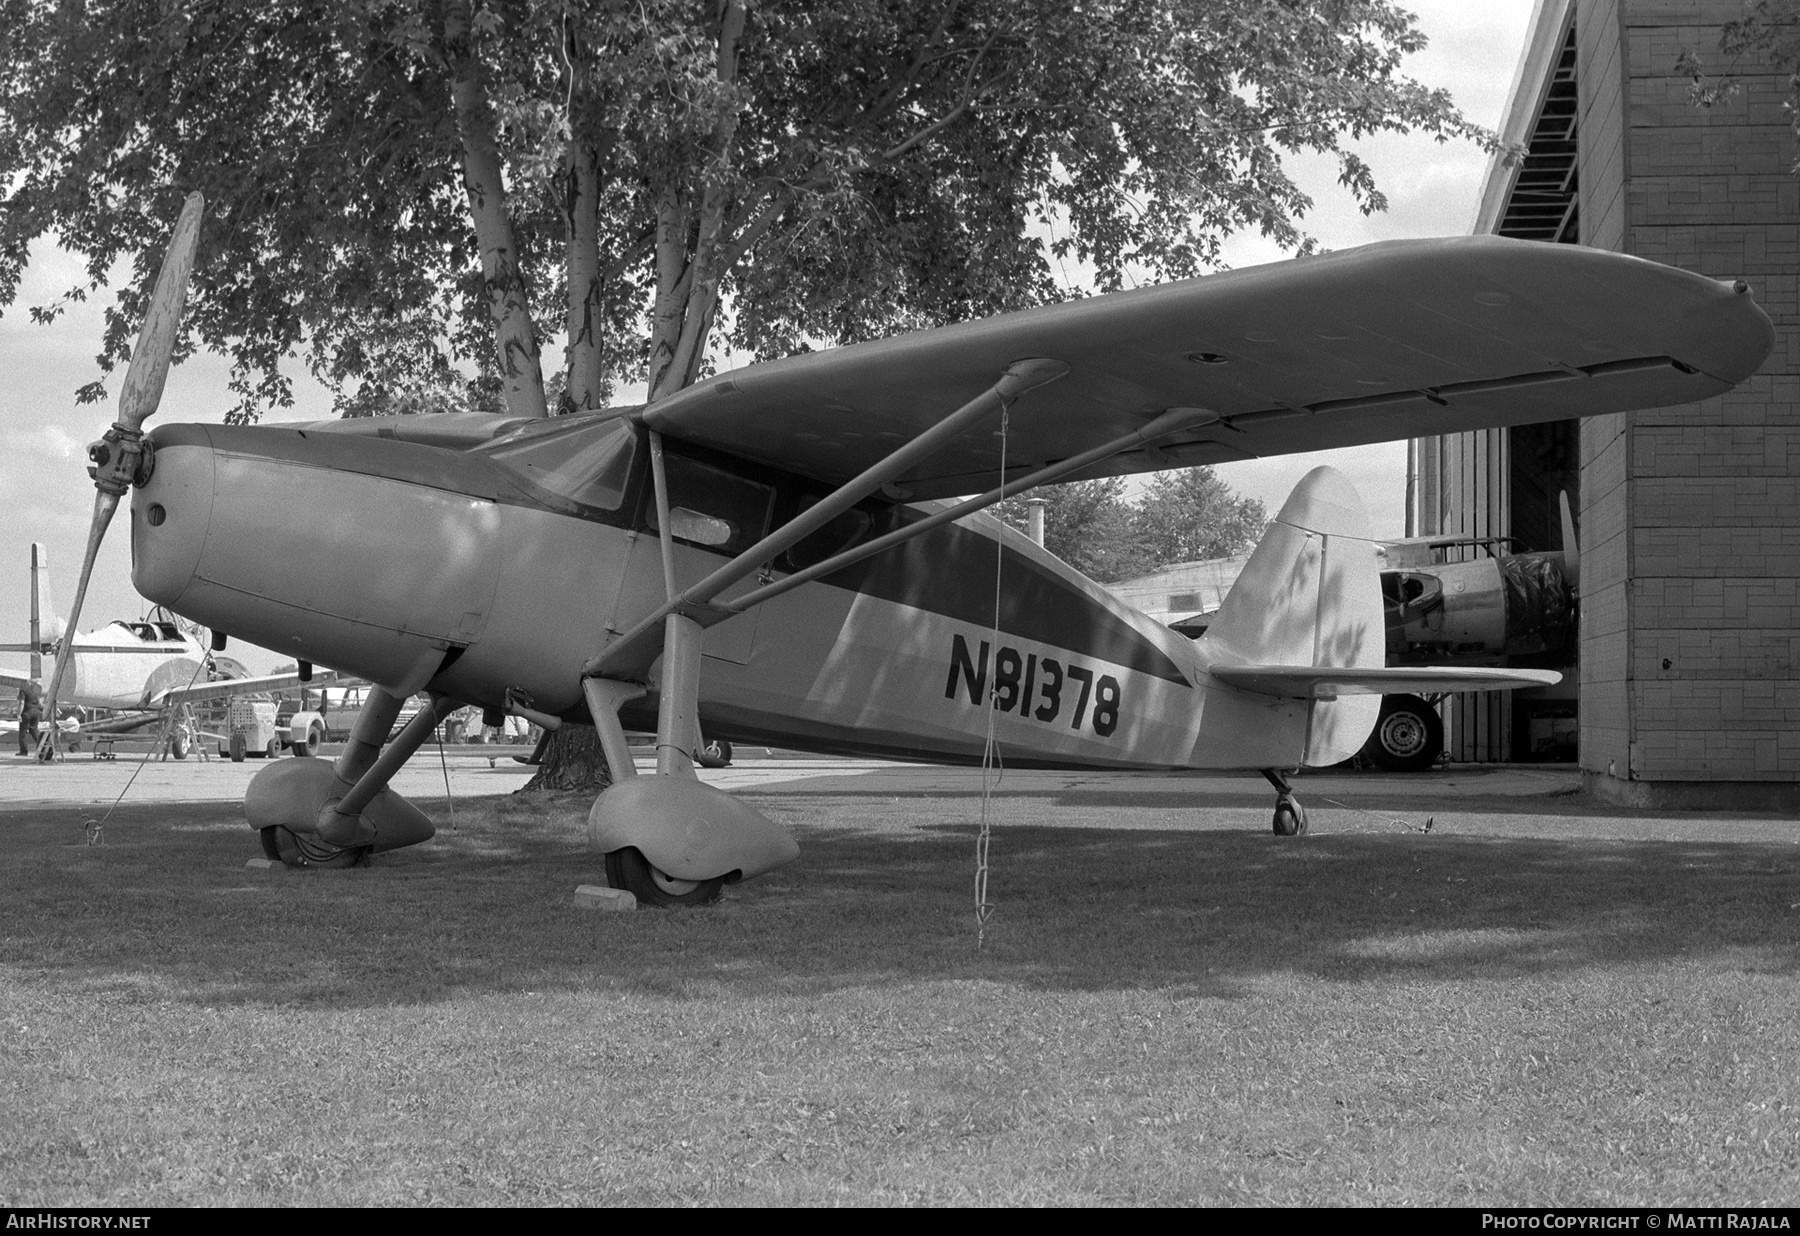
[1691,516]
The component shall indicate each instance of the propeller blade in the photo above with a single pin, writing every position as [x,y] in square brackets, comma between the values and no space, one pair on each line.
[104,505]
[1571,545]
[119,455]
[149,368]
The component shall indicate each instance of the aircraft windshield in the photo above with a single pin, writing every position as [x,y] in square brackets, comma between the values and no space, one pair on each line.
[586,463]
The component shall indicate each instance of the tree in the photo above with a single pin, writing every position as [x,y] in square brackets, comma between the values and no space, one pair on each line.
[1182,516]
[404,187]
[1769,31]
[399,183]
[1189,514]
[1088,524]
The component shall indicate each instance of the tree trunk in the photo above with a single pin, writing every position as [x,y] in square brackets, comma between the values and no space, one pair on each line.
[586,354]
[514,332]
[573,762]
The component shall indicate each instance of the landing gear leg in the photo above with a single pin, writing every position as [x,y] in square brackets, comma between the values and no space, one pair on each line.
[314,814]
[670,839]
[1290,815]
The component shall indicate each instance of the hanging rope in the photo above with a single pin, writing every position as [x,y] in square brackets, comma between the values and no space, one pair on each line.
[445,761]
[96,829]
[990,750]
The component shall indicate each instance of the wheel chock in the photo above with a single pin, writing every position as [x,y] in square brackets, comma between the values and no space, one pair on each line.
[266,864]
[600,897]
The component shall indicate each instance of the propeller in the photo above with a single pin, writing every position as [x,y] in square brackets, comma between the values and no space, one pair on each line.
[119,459]
[1571,545]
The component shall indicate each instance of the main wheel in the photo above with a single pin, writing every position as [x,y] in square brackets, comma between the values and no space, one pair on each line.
[178,744]
[1290,817]
[630,870]
[715,753]
[237,748]
[297,850]
[1408,735]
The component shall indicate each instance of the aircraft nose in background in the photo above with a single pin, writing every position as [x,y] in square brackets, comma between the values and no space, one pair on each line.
[170,516]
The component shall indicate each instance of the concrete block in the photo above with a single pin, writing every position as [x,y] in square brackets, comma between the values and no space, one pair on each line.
[600,897]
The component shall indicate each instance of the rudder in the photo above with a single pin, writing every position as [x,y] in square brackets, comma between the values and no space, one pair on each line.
[1311,596]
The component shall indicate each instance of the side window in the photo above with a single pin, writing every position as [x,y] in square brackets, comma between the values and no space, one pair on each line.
[712,508]
[834,538]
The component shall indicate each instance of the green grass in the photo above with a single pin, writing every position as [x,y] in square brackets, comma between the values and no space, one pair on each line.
[1173,1006]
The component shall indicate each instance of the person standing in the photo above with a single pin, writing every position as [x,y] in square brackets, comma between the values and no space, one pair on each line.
[31,711]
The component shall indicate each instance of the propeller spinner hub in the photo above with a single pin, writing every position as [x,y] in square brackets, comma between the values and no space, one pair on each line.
[119,460]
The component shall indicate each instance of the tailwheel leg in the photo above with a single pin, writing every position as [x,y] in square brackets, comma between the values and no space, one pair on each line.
[1290,814]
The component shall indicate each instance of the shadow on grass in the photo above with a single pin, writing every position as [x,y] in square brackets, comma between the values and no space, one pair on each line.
[166,910]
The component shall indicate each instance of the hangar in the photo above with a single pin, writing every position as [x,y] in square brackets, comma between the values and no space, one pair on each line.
[1687,691]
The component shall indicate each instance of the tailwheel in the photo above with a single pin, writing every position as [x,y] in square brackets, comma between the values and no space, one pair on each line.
[299,850]
[630,870]
[1290,817]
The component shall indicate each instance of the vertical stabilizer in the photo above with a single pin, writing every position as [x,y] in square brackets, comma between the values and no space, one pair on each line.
[46,627]
[1311,596]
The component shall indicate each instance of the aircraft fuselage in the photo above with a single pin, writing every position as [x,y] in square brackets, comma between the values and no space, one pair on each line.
[470,573]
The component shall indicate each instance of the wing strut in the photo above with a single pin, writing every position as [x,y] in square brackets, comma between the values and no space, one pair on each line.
[631,656]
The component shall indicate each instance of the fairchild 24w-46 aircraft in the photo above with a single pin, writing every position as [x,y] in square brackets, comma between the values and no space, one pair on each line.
[765,554]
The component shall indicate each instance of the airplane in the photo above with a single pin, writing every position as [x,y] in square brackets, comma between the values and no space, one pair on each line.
[778,553]
[147,673]
[1502,609]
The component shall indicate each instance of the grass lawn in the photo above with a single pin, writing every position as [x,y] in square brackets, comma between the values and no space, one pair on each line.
[1173,1007]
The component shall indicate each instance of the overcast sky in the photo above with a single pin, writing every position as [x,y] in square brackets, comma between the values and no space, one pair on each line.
[45,494]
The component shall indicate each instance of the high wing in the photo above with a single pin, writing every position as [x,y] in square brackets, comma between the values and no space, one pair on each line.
[228,687]
[1324,682]
[1392,340]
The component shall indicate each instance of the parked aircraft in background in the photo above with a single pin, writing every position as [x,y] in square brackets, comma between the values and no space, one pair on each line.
[1497,609]
[760,553]
[142,673]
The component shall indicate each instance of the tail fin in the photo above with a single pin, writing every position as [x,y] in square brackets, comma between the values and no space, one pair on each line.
[1310,596]
[46,627]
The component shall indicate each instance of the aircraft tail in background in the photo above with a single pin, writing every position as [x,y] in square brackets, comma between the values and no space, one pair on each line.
[46,627]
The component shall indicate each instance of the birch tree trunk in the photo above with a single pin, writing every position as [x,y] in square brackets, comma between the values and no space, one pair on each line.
[586,353]
[515,334]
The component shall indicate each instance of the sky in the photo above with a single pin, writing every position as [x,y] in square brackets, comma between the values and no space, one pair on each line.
[45,494]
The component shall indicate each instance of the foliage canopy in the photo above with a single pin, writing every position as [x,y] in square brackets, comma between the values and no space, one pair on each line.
[397,183]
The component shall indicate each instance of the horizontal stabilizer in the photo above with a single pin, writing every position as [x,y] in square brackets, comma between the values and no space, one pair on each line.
[1323,682]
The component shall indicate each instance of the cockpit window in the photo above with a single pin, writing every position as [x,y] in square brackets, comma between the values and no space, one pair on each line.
[586,462]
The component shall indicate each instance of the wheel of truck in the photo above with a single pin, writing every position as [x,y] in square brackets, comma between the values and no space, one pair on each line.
[237,748]
[1408,735]
[310,744]
[274,749]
